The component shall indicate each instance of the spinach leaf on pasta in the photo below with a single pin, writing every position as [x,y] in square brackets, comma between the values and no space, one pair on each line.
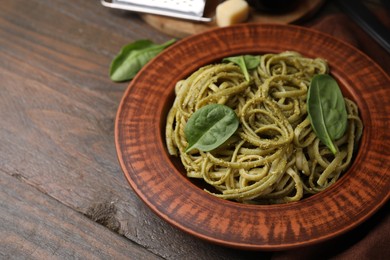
[245,62]
[326,109]
[210,126]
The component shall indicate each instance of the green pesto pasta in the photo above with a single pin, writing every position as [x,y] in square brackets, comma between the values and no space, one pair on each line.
[274,156]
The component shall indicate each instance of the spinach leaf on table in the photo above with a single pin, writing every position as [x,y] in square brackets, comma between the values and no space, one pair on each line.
[210,126]
[326,109]
[133,57]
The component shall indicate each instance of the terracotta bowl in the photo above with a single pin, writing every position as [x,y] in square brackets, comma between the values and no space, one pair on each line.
[160,181]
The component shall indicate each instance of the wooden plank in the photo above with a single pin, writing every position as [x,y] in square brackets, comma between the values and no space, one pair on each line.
[83,23]
[58,106]
[35,226]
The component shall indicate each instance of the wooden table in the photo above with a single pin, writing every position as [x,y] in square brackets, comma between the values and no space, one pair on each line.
[62,192]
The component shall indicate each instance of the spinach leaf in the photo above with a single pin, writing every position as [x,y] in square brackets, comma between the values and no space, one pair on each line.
[210,126]
[245,62]
[133,57]
[326,109]
[251,61]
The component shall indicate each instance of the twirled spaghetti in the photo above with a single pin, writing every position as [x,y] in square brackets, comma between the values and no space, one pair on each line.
[274,157]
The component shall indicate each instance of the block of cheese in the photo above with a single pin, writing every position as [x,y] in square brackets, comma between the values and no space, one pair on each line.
[231,12]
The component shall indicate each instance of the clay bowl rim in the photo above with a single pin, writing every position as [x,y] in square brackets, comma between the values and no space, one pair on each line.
[160,113]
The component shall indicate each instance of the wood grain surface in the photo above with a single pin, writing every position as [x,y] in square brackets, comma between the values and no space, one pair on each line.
[63,194]
[25,233]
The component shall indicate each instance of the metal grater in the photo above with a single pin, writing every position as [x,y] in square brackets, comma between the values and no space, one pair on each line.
[183,9]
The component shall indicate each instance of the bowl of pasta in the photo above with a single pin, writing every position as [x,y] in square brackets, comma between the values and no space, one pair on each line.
[257,136]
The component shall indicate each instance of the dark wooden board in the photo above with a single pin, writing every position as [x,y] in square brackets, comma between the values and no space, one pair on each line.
[26,233]
[182,28]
